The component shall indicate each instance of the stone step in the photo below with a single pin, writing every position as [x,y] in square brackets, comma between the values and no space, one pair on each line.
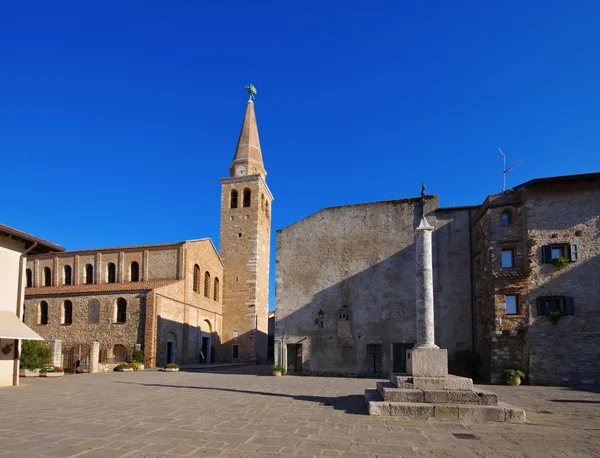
[389,392]
[424,411]
[450,382]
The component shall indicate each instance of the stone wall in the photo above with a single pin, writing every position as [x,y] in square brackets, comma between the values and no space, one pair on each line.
[356,264]
[569,351]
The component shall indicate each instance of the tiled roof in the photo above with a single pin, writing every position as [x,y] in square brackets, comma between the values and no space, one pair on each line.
[102,288]
[42,245]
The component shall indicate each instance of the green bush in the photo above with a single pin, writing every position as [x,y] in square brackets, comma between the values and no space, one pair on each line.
[513,374]
[281,369]
[561,262]
[34,354]
[138,356]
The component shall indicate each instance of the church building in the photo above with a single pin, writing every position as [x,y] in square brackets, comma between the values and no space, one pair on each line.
[180,302]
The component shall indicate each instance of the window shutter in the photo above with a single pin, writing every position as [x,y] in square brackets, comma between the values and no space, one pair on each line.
[569,306]
[573,254]
[542,307]
[546,254]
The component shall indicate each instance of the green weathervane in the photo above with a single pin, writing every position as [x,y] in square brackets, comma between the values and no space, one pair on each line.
[251,91]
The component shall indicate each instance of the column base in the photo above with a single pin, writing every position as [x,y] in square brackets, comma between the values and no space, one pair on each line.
[427,362]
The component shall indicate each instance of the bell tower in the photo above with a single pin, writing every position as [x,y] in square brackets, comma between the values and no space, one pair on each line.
[245,248]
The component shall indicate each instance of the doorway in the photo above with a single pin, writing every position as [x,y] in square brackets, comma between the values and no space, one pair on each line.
[399,357]
[374,359]
[294,357]
[170,352]
[205,356]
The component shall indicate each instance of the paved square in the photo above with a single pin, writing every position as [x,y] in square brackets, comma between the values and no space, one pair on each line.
[244,412]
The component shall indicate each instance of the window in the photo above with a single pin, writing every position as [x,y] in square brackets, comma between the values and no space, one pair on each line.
[47,276]
[267,209]
[207,285]
[134,271]
[89,274]
[234,198]
[94,312]
[262,201]
[67,275]
[196,278]
[562,303]
[43,313]
[247,195]
[67,315]
[508,258]
[29,278]
[506,217]
[112,273]
[216,291]
[512,304]
[121,315]
[559,250]
[236,351]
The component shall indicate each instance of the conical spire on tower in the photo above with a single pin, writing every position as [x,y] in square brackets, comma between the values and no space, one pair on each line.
[248,156]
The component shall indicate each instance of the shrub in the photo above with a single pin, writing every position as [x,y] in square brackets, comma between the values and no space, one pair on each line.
[512,374]
[35,354]
[134,366]
[51,368]
[561,262]
[172,366]
[138,356]
[279,368]
[555,315]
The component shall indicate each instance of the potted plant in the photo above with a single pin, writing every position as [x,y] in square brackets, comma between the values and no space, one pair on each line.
[34,354]
[513,376]
[278,370]
[560,262]
[172,367]
[124,367]
[555,314]
[138,357]
[51,371]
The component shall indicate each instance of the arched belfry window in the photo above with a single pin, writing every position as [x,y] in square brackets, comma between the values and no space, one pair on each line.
[134,271]
[29,276]
[247,196]
[234,198]
[67,313]
[112,273]
[216,291]
[89,274]
[196,278]
[43,315]
[506,217]
[47,276]
[68,275]
[207,285]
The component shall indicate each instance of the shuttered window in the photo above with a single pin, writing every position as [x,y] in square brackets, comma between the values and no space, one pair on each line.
[563,303]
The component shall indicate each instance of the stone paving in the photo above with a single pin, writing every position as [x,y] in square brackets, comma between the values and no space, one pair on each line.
[243,412]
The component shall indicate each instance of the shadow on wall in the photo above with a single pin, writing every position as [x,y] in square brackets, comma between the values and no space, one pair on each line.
[183,343]
[368,314]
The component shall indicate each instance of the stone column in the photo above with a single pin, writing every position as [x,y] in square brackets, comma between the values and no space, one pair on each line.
[94,357]
[424,274]
[56,346]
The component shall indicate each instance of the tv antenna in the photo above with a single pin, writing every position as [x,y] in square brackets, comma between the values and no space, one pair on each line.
[506,170]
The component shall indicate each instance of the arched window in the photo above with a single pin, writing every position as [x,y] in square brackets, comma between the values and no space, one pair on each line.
[67,275]
[47,276]
[89,274]
[216,291]
[267,209]
[29,277]
[112,273]
[247,195]
[134,271]
[506,217]
[43,316]
[67,313]
[121,311]
[207,285]
[196,278]
[94,311]
[234,198]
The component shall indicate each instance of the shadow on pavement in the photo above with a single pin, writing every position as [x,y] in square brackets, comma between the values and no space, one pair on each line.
[353,404]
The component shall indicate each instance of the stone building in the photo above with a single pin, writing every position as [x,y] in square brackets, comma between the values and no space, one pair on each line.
[345,291]
[178,302]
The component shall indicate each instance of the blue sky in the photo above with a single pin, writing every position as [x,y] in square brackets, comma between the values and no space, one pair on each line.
[117,121]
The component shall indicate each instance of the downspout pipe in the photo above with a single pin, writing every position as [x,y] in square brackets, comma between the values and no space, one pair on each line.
[20,298]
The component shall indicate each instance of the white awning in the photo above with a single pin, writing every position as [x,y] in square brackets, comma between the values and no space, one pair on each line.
[13,328]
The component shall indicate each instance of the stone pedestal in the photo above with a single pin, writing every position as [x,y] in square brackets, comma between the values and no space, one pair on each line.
[427,362]
[94,357]
[56,346]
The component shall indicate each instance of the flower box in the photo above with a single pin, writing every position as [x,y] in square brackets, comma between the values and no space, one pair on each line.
[171,369]
[29,373]
[52,374]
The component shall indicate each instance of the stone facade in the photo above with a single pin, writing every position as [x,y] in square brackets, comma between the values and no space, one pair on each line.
[351,268]
[345,287]
[161,306]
